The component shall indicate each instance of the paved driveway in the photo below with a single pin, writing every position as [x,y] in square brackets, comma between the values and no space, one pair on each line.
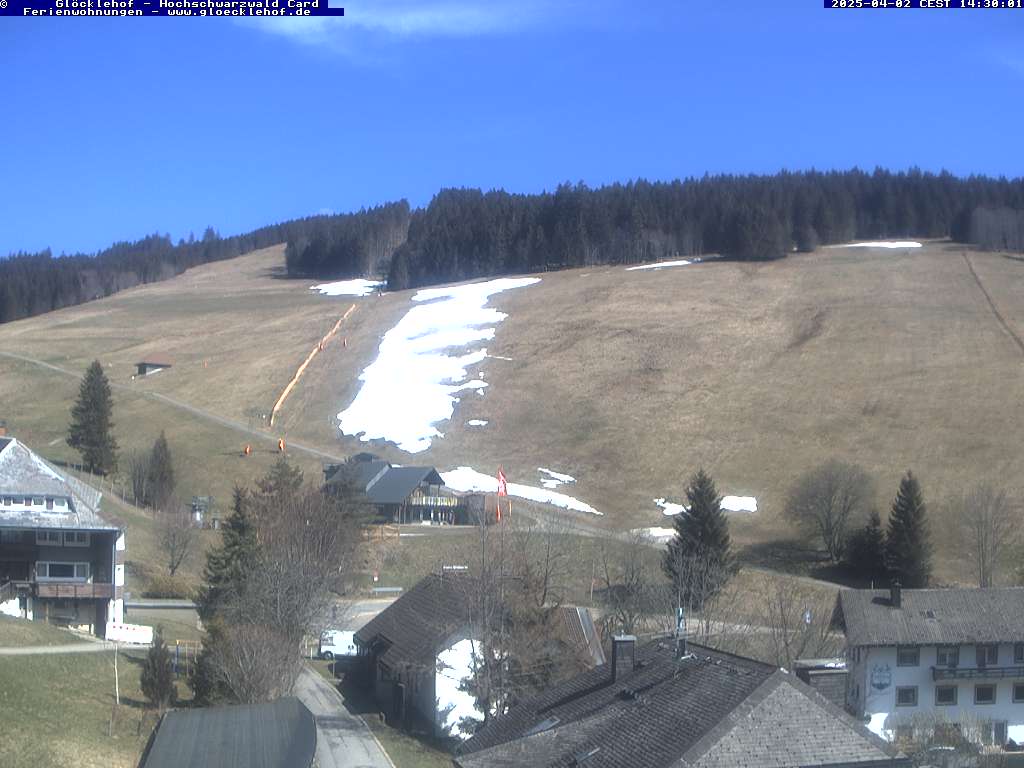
[343,739]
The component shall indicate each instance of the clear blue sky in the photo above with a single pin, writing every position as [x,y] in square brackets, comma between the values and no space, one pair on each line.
[113,129]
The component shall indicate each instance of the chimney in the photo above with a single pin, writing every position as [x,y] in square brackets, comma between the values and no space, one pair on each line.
[623,655]
[895,595]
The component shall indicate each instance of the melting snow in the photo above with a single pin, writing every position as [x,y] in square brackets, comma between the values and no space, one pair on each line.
[660,264]
[454,666]
[877,725]
[468,479]
[881,244]
[348,287]
[668,508]
[554,479]
[414,382]
[729,504]
[477,423]
[656,533]
[739,504]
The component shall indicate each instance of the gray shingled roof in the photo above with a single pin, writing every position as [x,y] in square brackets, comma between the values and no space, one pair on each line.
[281,734]
[709,711]
[23,472]
[931,616]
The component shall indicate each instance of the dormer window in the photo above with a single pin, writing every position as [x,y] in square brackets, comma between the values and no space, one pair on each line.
[48,538]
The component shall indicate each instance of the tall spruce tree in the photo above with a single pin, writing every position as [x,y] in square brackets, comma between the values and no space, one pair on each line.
[908,543]
[229,565]
[160,475]
[865,554]
[90,430]
[157,678]
[699,557]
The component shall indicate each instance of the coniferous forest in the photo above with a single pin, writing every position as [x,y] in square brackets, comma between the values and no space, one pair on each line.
[466,233]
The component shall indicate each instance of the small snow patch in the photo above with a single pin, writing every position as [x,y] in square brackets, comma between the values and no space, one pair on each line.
[477,423]
[554,479]
[656,533]
[729,504]
[661,265]
[739,504]
[467,479]
[348,287]
[881,244]
[668,508]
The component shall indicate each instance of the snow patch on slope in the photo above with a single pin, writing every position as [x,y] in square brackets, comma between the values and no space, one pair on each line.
[660,265]
[729,504]
[348,287]
[881,244]
[468,479]
[414,382]
[554,479]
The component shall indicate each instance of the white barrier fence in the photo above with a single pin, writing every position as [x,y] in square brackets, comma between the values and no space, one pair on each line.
[129,633]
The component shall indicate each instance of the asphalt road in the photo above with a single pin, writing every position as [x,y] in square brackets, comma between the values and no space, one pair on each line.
[343,739]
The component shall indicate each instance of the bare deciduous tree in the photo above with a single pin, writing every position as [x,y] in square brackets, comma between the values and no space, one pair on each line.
[989,522]
[177,537]
[795,622]
[827,500]
[254,663]
[138,476]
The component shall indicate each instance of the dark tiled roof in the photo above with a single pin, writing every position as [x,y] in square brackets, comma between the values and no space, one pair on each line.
[711,710]
[932,616]
[281,734]
[414,626]
[395,485]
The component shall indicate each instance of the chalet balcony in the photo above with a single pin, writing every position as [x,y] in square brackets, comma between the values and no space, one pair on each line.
[977,673]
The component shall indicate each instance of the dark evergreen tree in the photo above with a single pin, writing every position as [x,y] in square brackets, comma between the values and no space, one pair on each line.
[91,424]
[865,554]
[699,557]
[160,475]
[157,678]
[283,479]
[908,543]
[229,565]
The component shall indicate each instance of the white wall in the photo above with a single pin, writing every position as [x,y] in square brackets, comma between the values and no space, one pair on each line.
[879,703]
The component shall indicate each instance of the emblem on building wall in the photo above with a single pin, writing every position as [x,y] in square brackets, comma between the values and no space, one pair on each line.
[881,676]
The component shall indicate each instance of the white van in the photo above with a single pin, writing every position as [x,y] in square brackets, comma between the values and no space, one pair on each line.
[338,643]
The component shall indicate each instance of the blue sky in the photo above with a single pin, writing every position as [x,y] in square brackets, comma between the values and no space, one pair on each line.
[119,128]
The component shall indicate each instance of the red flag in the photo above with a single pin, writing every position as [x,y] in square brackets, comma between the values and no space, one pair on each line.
[502,490]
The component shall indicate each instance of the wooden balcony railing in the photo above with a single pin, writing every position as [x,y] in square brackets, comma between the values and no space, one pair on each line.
[76,591]
[967,673]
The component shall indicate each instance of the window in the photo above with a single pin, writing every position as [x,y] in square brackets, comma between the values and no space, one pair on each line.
[38,501]
[1018,693]
[908,656]
[947,656]
[7,501]
[49,502]
[60,502]
[48,538]
[62,571]
[906,696]
[984,694]
[988,655]
[945,695]
[1018,653]
[76,539]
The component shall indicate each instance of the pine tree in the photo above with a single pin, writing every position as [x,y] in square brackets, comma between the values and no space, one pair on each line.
[282,480]
[160,475]
[91,425]
[157,679]
[908,545]
[865,555]
[229,565]
[699,558]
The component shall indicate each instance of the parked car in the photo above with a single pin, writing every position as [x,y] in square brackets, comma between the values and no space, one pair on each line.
[337,644]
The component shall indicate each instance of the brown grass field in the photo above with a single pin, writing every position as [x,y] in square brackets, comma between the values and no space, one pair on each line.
[627,380]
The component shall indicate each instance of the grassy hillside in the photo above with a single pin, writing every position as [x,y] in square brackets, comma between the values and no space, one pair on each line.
[627,380]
